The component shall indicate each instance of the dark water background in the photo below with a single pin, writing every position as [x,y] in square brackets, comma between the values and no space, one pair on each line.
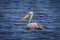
[46,12]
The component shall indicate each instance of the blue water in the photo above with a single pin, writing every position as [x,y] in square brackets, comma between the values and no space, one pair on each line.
[46,12]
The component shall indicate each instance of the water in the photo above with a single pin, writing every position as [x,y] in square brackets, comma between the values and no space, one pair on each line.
[46,12]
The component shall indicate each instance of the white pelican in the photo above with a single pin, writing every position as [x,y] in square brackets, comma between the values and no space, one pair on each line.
[32,25]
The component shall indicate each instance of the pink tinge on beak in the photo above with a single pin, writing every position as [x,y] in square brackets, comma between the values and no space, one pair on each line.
[25,17]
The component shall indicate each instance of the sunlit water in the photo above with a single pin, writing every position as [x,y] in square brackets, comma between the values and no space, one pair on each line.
[46,12]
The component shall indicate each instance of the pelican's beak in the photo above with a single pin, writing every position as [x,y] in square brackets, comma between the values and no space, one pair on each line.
[26,16]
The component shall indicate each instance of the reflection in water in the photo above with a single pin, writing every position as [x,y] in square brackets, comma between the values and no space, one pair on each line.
[45,12]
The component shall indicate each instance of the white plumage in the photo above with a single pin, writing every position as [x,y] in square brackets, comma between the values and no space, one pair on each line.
[31,25]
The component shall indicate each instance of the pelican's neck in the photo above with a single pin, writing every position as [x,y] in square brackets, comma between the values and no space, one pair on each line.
[30,18]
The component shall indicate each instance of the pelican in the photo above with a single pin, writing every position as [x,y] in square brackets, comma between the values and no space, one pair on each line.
[31,25]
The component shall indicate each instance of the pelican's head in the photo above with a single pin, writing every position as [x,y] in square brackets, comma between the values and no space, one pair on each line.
[31,12]
[29,15]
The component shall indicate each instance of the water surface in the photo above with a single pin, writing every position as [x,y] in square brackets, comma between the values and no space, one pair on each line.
[46,12]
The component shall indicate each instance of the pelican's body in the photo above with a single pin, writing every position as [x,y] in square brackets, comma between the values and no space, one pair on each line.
[32,25]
